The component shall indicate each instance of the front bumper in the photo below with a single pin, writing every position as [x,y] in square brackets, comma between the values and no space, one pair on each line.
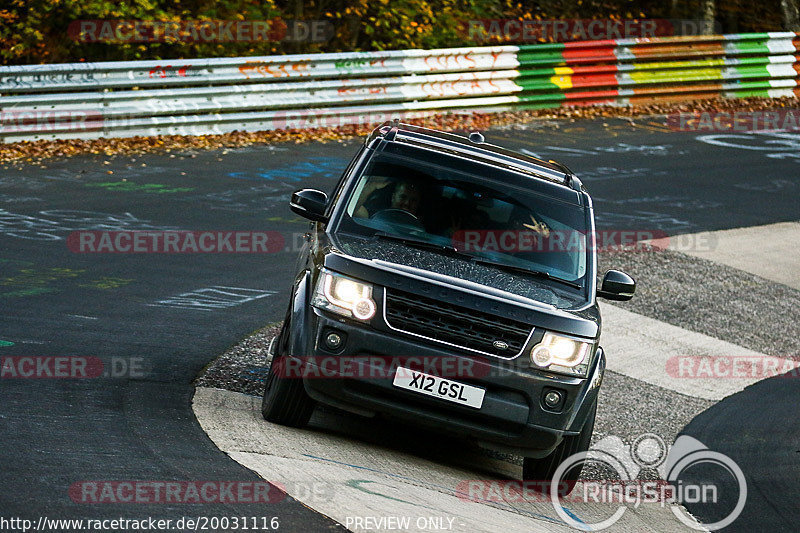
[512,418]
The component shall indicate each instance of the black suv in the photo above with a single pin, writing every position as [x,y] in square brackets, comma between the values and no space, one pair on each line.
[452,284]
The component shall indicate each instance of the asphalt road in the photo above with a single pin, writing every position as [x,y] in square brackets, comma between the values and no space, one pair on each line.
[758,429]
[156,320]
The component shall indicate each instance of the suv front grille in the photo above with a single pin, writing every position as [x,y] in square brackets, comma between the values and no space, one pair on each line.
[453,324]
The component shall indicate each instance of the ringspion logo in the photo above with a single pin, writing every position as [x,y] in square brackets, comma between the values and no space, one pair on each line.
[623,489]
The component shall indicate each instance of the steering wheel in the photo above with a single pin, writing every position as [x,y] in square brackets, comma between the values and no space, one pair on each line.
[399,217]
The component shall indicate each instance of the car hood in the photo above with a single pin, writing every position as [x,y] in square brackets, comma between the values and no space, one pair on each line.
[425,263]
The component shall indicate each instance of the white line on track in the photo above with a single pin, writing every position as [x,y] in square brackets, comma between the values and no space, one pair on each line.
[641,347]
[345,478]
[771,252]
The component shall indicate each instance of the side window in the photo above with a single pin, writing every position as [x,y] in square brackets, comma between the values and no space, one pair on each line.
[337,191]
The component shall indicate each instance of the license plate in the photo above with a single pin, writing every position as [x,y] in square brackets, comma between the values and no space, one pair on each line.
[445,389]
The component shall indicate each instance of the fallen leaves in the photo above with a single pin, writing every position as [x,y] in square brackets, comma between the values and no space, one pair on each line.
[37,151]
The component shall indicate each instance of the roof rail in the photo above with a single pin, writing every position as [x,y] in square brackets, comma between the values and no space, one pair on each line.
[389,131]
[571,179]
[392,133]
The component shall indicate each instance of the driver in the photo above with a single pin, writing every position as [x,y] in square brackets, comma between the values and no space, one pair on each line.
[383,194]
[407,196]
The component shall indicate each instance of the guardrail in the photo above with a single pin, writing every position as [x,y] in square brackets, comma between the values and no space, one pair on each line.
[213,96]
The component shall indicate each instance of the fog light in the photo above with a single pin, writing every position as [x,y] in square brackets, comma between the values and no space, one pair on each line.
[552,399]
[541,356]
[364,309]
[333,341]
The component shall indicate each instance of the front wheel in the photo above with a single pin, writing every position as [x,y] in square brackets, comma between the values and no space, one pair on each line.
[542,470]
[285,399]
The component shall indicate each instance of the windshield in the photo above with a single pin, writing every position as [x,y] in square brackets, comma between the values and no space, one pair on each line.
[484,218]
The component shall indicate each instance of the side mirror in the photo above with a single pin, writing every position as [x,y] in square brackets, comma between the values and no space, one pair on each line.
[309,203]
[617,286]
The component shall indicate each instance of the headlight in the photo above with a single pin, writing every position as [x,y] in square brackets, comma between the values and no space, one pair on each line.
[343,295]
[565,355]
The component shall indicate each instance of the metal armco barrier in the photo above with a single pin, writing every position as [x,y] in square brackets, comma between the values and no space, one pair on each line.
[213,96]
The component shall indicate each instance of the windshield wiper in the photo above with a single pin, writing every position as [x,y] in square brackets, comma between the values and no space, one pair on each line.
[427,245]
[522,270]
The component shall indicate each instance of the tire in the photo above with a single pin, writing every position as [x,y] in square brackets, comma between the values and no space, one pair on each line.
[542,470]
[285,399]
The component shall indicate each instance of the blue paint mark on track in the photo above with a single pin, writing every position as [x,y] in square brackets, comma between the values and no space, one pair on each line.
[324,167]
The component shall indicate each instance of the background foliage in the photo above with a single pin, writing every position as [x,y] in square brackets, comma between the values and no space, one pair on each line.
[35,31]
